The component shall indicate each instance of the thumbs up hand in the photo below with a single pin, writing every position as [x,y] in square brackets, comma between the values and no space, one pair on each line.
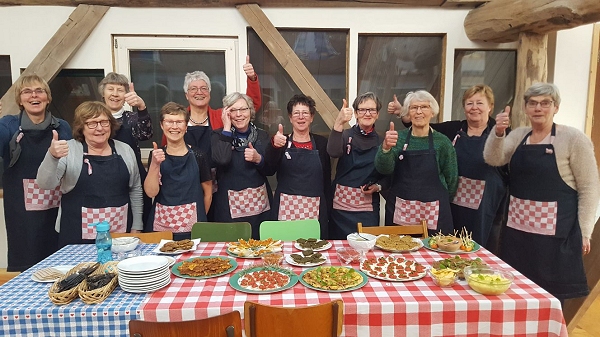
[158,155]
[394,107]
[391,138]
[249,69]
[343,117]
[58,148]
[502,121]
[279,139]
[133,99]
[251,155]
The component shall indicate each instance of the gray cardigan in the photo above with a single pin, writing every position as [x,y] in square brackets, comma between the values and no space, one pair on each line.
[64,172]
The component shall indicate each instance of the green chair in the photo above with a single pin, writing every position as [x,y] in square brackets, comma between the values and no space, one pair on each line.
[290,230]
[221,231]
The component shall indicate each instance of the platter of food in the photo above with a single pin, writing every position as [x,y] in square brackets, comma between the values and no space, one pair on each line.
[452,244]
[263,280]
[398,243]
[305,258]
[171,247]
[203,267]
[458,263]
[393,268]
[253,249]
[313,244]
[333,279]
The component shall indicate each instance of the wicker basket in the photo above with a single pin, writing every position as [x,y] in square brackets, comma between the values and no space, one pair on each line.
[67,296]
[98,295]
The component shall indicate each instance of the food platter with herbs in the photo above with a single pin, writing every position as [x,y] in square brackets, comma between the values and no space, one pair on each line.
[333,279]
[263,280]
[313,244]
[306,258]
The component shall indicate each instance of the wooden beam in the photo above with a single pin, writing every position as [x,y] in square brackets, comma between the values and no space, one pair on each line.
[504,20]
[231,3]
[59,49]
[462,3]
[532,66]
[288,59]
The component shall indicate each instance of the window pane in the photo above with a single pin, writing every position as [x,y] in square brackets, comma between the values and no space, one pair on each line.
[72,87]
[494,68]
[389,65]
[324,55]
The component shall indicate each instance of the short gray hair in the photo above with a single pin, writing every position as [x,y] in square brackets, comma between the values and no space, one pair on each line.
[543,89]
[230,99]
[195,76]
[366,96]
[420,95]
[113,78]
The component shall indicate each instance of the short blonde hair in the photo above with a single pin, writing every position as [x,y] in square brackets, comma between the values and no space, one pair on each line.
[29,81]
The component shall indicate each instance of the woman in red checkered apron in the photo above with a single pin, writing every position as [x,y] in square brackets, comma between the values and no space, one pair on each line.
[554,191]
[98,177]
[29,211]
[178,178]
[357,183]
[303,167]
[238,151]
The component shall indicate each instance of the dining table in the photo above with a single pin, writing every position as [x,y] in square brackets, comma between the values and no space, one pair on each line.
[379,308]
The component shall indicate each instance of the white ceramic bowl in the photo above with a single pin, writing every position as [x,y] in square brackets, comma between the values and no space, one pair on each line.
[124,244]
[364,242]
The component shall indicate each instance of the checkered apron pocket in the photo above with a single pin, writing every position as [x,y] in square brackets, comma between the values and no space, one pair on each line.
[116,217]
[413,211]
[38,199]
[248,202]
[352,199]
[175,219]
[298,207]
[469,192]
[538,217]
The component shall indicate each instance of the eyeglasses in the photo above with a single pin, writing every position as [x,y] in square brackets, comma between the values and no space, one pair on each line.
[29,92]
[242,110]
[93,125]
[362,111]
[194,90]
[544,104]
[171,123]
[415,108]
[300,113]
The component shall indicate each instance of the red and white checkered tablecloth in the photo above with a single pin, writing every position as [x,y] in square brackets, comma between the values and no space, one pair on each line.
[380,308]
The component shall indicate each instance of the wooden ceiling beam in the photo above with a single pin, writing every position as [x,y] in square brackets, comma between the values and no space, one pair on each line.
[289,61]
[59,49]
[503,20]
[233,3]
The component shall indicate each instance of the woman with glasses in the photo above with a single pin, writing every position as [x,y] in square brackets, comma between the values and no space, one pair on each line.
[178,179]
[423,166]
[357,184]
[97,175]
[29,211]
[554,192]
[238,151]
[303,167]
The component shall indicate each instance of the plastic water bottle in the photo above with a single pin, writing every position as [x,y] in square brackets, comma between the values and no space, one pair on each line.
[103,242]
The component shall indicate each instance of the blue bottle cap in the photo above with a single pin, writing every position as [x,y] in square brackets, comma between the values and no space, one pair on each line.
[102,226]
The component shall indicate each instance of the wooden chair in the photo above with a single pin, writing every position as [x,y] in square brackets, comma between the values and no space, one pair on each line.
[153,237]
[290,230]
[221,231]
[323,320]
[412,229]
[227,325]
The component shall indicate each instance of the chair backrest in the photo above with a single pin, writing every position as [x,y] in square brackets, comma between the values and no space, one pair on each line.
[227,325]
[409,229]
[221,231]
[290,230]
[152,237]
[323,320]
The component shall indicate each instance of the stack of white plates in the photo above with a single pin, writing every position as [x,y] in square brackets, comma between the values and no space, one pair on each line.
[144,274]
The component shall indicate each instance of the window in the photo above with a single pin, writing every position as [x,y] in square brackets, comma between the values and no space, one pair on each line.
[72,87]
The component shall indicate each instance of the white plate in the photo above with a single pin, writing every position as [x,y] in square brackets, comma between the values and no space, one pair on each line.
[171,259]
[397,260]
[148,289]
[142,264]
[177,252]
[291,261]
[418,241]
[63,269]
[327,246]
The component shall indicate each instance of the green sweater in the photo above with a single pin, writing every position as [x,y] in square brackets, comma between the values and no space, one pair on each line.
[445,155]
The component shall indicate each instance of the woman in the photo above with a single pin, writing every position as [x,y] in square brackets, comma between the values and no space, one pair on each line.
[116,90]
[238,151]
[423,164]
[303,167]
[24,138]
[98,177]
[481,193]
[552,169]
[178,179]
[356,183]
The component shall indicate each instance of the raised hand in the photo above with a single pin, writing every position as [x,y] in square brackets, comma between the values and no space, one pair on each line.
[133,99]
[249,69]
[391,138]
[502,121]
[158,155]
[251,155]
[343,117]
[394,107]
[226,118]
[279,139]
[58,148]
